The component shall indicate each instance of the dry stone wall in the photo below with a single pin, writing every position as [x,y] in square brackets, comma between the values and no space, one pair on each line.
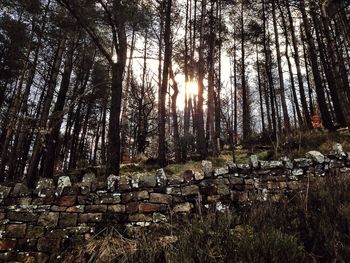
[37,225]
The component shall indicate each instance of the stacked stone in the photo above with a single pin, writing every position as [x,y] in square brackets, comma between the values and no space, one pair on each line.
[36,225]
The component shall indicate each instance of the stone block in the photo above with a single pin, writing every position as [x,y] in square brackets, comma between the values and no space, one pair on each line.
[110,198]
[16,230]
[95,208]
[90,218]
[175,179]
[48,219]
[116,208]
[207,168]
[4,191]
[19,190]
[68,219]
[22,216]
[188,176]
[149,207]
[124,183]
[316,156]
[223,189]
[140,218]
[76,209]
[236,180]
[68,200]
[198,176]
[190,190]
[132,207]
[159,218]
[7,244]
[35,231]
[48,245]
[140,195]
[148,181]
[183,208]
[160,198]
[161,178]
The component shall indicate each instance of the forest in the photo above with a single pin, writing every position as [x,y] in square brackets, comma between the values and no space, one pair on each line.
[106,82]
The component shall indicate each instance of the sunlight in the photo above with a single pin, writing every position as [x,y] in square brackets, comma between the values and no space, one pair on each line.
[192,88]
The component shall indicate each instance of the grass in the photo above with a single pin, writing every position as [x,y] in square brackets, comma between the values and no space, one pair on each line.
[288,231]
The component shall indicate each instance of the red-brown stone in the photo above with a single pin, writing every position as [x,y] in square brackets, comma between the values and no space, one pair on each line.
[68,200]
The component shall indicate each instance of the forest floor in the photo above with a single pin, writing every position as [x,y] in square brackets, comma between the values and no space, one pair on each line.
[293,145]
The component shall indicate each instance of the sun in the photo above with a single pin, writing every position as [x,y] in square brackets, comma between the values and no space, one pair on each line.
[192,88]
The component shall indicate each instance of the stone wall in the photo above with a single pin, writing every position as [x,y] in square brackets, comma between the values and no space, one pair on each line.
[37,225]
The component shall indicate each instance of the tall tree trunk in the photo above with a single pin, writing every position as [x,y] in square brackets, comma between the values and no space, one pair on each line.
[37,150]
[164,86]
[280,72]
[306,112]
[326,117]
[201,145]
[56,118]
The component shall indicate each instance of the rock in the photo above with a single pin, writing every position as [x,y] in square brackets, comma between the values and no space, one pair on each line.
[188,176]
[141,195]
[302,162]
[132,207]
[338,151]
[190,190]
[236,180]
[198,176]
[148,181]
[90,218]
[68,219]
[67,200]
[48,219]
[288,164]
[149,207]
[63,182]
[221,171]
[271,164]
[135,180]
[4,191]
[124,183]
[22,216]
[207,168]
[160,198]
[88,179]
[19,190]
[35,231]
[44,187]
[183,208]
[140,218]
[7,244]
[243,168]
[95,208]
[49,245]
[254,161]
[161,178]
[316,156]
[175,179]
[76,209]
[159,218]
[231,166]
[109,198]
[220,207]
[116,208]
[111,182]
[173,190]
[297,172]
[223,189]
[16,230]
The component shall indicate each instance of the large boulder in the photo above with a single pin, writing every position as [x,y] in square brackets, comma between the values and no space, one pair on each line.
[316,156]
